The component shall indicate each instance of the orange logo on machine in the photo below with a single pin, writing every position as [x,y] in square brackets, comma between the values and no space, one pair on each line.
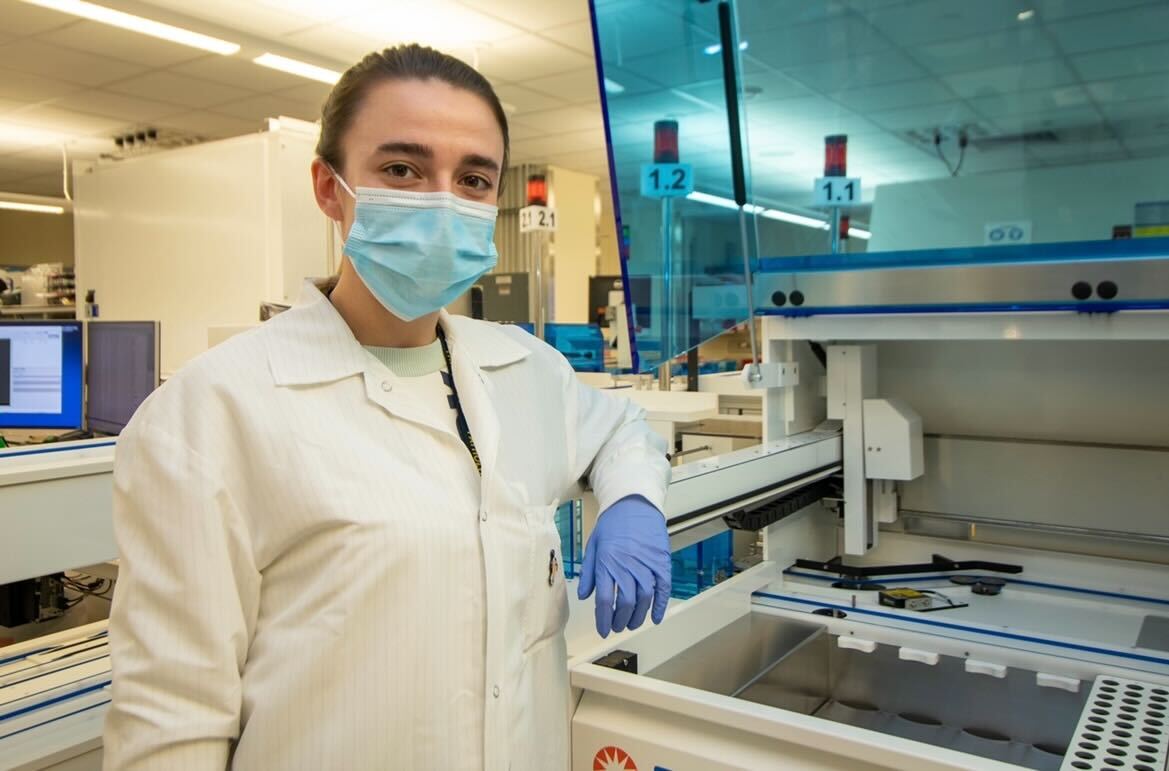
[613,759]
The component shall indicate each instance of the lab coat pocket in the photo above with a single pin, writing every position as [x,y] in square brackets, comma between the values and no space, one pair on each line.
[546,607]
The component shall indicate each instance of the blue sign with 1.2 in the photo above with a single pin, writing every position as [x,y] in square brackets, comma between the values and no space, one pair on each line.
[667,180]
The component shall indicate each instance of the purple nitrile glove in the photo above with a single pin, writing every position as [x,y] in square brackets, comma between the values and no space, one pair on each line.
[628,561]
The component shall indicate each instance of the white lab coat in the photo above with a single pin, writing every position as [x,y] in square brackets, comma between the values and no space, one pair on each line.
[312,564]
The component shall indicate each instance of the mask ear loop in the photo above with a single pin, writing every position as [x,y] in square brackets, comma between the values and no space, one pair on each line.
[340,179]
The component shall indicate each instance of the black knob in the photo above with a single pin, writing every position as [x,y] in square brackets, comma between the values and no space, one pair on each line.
[1107,290]
[1081,290]
[780,299]
[797,297]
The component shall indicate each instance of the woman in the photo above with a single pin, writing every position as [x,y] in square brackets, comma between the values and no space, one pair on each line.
[336,531]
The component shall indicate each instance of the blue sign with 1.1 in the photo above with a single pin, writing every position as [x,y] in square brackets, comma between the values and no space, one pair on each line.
[667,180]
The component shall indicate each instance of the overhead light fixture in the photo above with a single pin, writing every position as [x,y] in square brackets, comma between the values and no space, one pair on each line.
[38,208]
[13,133]
[613,87]
[1025,15]
[795,219]
[134,23]
[295,67]
[715,48]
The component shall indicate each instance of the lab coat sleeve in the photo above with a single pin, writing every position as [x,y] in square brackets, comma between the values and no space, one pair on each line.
[616,449]
[184,608]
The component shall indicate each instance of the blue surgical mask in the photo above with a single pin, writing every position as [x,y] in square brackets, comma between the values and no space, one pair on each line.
[417,252]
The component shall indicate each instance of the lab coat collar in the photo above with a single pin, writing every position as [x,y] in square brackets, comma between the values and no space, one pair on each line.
[310,343]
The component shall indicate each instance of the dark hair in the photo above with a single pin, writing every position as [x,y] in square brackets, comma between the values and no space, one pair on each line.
[404,62]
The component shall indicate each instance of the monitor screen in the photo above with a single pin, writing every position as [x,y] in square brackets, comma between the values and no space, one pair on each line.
[122,371]
[40,374]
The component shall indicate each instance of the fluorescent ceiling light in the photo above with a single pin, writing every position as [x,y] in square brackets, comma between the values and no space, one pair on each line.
[714,48]
[12,133]
[613,87]
[32,207]
[134,23]
[775,214]
[294,67]
[713,200]
[1025,15]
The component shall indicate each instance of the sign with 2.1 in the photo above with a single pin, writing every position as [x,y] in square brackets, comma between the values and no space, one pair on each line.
[667,180]
[537,218]
[836,191]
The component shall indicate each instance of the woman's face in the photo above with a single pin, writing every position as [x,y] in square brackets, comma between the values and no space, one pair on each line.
[419,135]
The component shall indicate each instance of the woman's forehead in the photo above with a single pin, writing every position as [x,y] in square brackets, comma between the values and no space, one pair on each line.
[425,112]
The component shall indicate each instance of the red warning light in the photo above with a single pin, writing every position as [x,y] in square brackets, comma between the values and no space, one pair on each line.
[537,190]
[836,155]
[666,141]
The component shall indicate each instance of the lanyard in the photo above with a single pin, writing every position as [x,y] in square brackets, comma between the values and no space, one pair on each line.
[448,377]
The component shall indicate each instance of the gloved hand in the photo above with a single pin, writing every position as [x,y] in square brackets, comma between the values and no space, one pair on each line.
[629,552]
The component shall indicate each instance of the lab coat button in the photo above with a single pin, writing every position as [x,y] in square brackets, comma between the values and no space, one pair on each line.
[495,691]
[387,386]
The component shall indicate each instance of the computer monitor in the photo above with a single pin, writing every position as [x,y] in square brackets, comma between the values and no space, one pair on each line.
[41,374]
[123,369]
[599,289]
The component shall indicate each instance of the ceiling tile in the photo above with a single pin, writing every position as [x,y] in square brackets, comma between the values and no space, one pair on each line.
[550,144]
[1011,78]
[21,86]
[927,22]
[1059,120]
[575,86]
[178,89]
[1031,102]
[872,69]
[926,117]
[517,130]
[237,72]
[892,95]
[257,108]
[1122,62]
[588,161]
[526,100]
[344,46]
[533,16]
[573,118]
[120,44]
[759,87]
[1010,46]
[308,92]
[212,125]
[578,36]
[632,83]
[23,165]
[7,105]
[112,105]
[22,19]
[685,66]
[1139,109]
[793,12]
[258,17]
[65,122]
[780,45]
[66,64]
[662,105]
[442,23]
[1052,10]
[1127,89]
[517,58]
[642,29]
[1120,29]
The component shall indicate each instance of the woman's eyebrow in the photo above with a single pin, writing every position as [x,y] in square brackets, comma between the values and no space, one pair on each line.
[407,148]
